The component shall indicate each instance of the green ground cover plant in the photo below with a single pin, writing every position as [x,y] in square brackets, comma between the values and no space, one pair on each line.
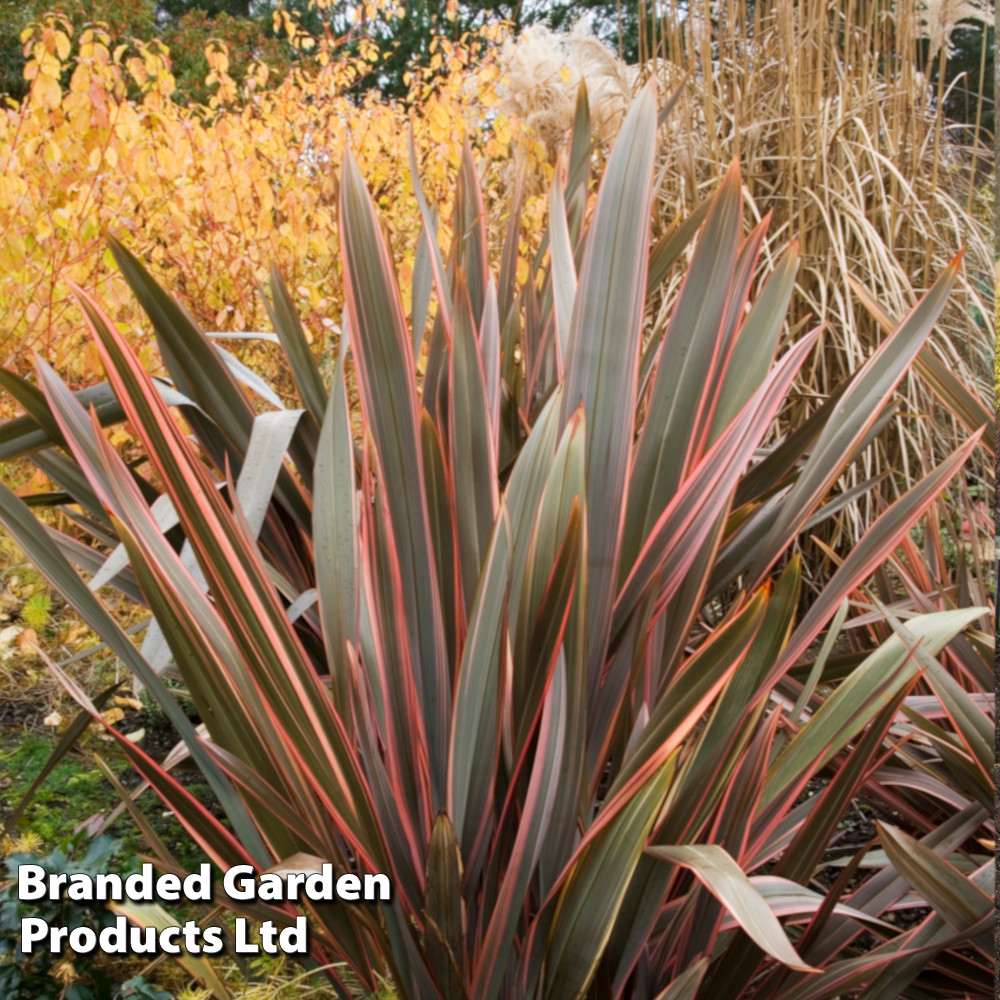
[523,630]
[44,976]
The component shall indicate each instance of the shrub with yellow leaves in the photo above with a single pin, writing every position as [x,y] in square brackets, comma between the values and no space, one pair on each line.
[210,195]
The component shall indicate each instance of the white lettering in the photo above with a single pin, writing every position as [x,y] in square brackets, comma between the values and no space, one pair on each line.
[295,940]
[272,888]
[168,938]
[349,887]
[198,887]
[168,887]
[319,885]
[80,886]
[235,889]
[213,941]
[83,940]
[385,889]
[243,946]
[142,940]
[108,885]
[114,939]
[30,883]
[139,887]
[33,930]
[293,881]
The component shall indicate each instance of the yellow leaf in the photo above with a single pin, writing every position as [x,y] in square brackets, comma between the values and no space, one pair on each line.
[46,91]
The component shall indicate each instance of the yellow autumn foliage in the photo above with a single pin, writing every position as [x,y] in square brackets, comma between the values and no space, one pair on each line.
[208,196]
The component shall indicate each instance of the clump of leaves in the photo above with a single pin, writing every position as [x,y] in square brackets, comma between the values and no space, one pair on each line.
[44,976]
[528,639]
[36,611]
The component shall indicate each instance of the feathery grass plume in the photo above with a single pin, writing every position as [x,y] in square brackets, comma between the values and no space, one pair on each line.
[542,72]
[939,19]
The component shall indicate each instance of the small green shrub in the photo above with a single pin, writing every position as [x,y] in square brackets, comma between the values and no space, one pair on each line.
[43,976]
[36,611]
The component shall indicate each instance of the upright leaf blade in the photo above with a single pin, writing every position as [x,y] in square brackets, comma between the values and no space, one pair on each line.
[383,352]
[288,326]
[592,894]
[335,536]
[602,356]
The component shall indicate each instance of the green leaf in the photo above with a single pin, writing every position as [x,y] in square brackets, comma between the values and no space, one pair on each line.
[971,724]
[445,915]
[475,732]
[563,266]
[33,401]
[245,600]
[430,229]
[581,147]
[954,896]
[473,459]
[537,809]
[685,986]
[856,411]
[288,326]
[681,385]
[725,880]
[201,374]
[423,279]
[554,550]
[439,487]
[383,353]
[858,699]
[602,356]
[720,744]
[756,342]
[23,435]
[875,545]
[691,693]
[591,896]
[335,536]
[468,249]
[956,397]
[690,518]
[269,442]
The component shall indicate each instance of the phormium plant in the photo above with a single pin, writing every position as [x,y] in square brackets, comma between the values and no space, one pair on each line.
[526,639]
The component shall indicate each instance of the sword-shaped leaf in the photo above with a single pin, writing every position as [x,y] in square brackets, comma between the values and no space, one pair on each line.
[473,458]
[335,536]
[859,698]
[383,353]
[856,411]
[592,894]
[288,326]
[602,355]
